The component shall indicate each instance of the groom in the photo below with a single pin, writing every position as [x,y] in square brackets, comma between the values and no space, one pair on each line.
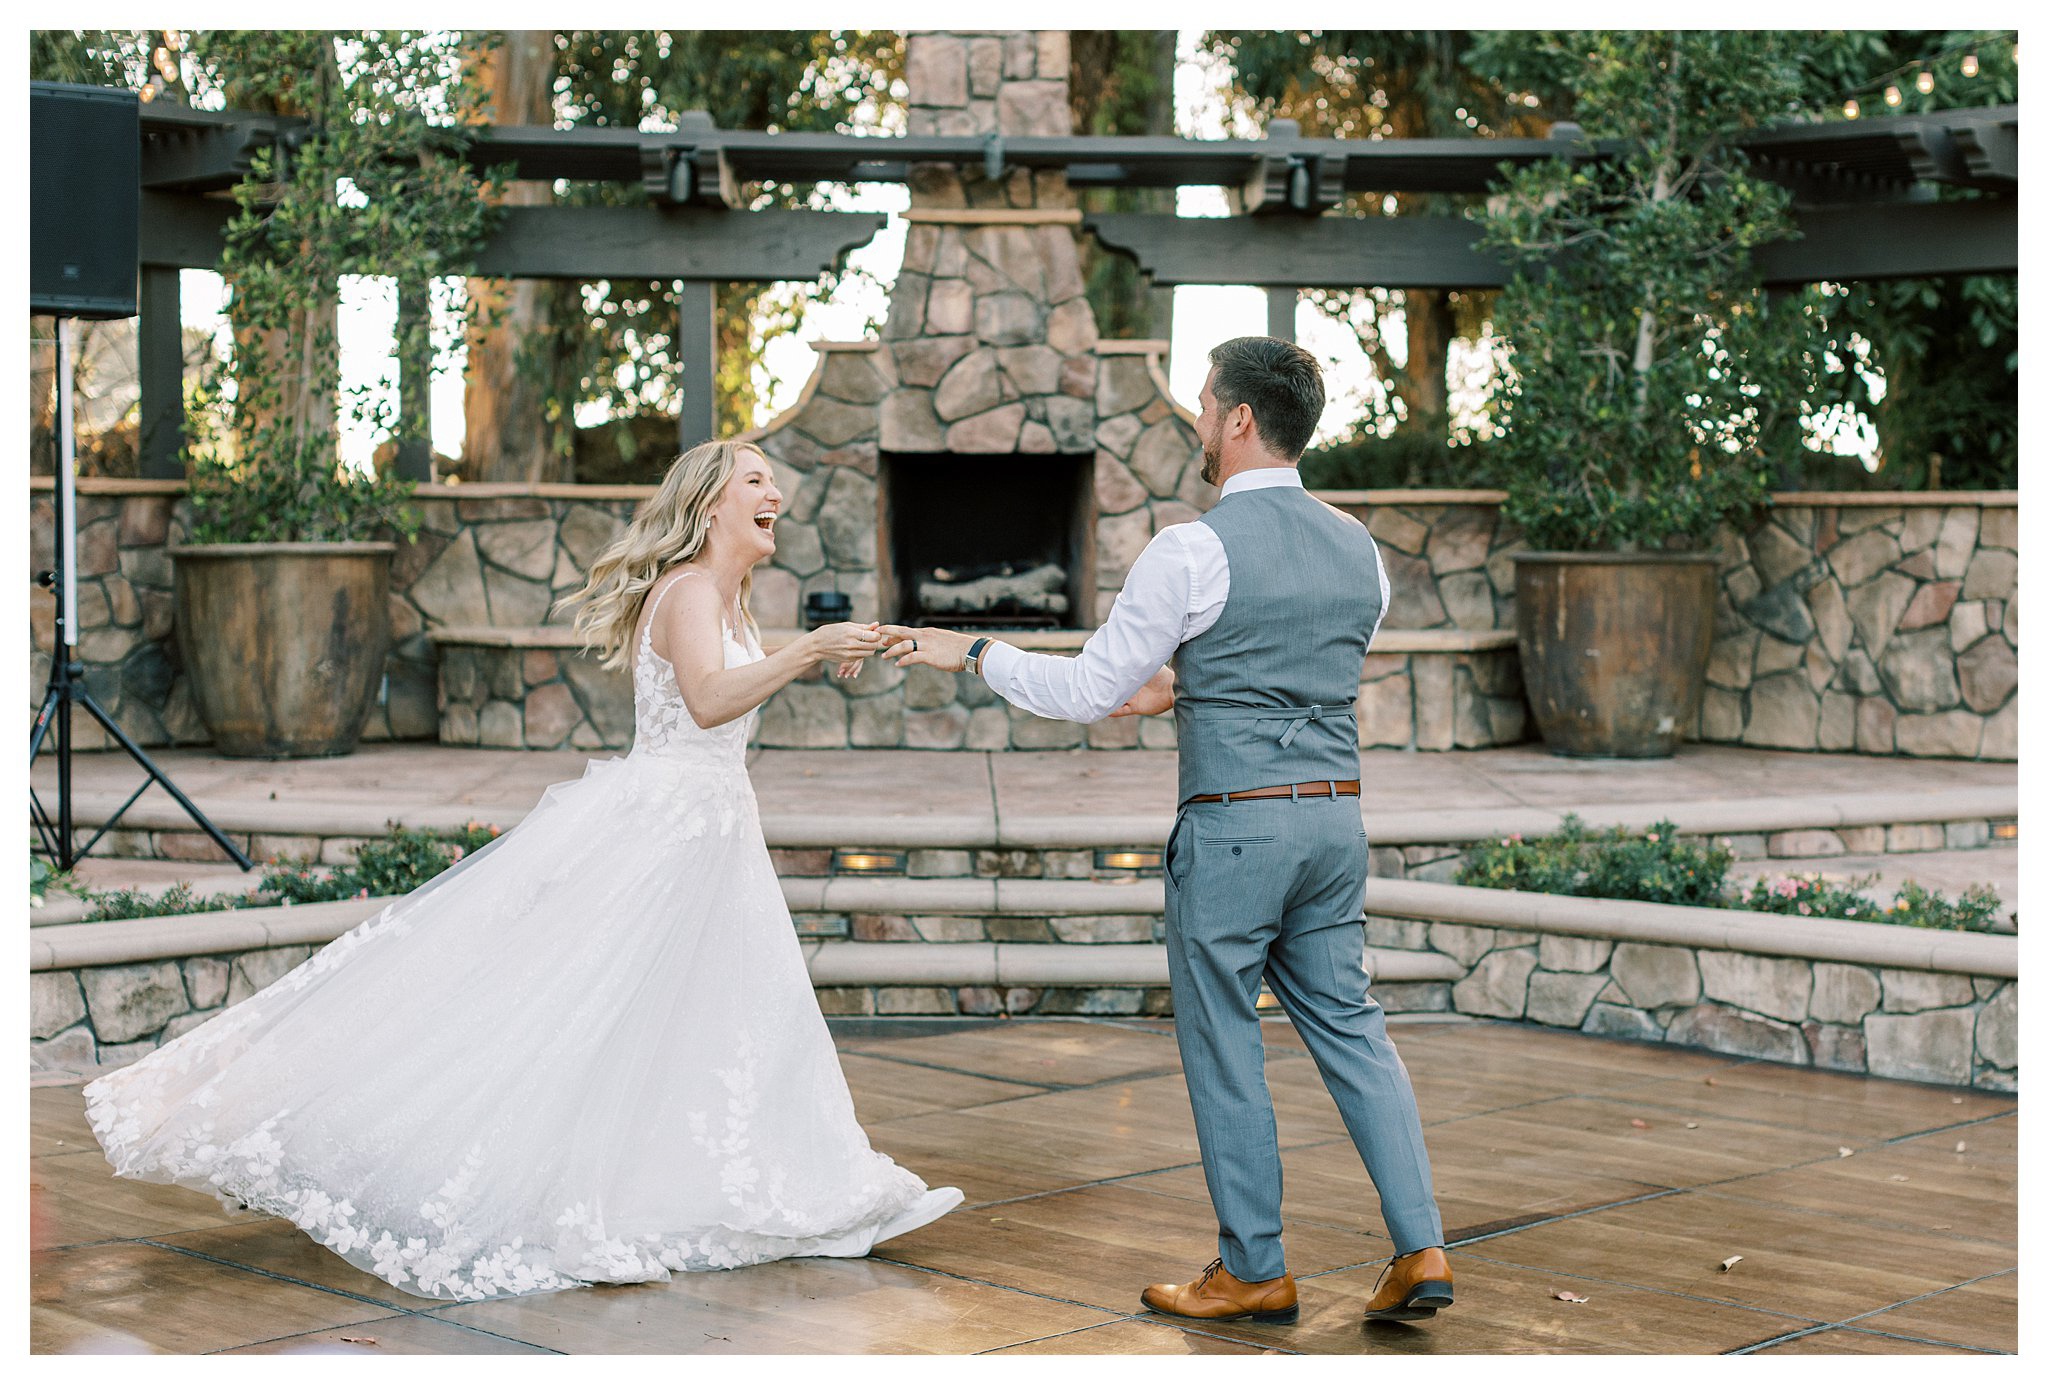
[1267,605]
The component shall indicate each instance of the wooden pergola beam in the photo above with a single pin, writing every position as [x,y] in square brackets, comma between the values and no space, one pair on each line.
[1893,240]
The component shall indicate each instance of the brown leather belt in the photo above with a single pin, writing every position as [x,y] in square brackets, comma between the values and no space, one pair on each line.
[1321,788]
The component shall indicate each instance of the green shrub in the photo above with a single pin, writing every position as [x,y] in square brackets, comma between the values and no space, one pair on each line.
[178,899]
[1660,867]
[1914,906]
[1974,912]
[397,863]
[1656,865]
[45,879]
[1812,896]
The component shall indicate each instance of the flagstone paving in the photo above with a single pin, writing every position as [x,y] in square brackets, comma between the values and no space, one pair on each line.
[1870,1217]
[1017,783]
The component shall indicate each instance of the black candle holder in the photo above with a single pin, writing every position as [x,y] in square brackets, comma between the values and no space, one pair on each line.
[827,608]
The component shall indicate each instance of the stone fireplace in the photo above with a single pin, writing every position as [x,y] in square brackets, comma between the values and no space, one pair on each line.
[989,462]
[987,542]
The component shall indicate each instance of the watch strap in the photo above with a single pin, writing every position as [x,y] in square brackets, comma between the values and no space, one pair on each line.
[974,653]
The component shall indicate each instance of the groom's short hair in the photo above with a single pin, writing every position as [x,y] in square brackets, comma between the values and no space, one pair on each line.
[1281,382]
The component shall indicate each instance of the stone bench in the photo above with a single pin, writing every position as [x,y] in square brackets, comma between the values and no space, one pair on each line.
[533,687]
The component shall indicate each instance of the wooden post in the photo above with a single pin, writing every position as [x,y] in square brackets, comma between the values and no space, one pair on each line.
[415,381]
[160,352]
[695,339]
[1280,304]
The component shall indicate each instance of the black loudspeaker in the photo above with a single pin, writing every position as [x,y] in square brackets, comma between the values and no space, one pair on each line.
[85,199]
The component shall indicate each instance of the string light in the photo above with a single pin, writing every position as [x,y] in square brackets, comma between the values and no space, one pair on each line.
[1925,82]
[1892,96]
[1969,64]
[1851,109]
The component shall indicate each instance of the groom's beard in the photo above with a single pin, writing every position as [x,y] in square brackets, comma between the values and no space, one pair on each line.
[1212,462]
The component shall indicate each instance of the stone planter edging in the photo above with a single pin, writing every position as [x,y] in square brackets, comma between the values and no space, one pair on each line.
[836,963]
[1031,831]
[64,946]
[1921,1017]
[1675,925]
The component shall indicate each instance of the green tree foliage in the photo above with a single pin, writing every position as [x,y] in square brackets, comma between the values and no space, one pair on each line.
[1653,378]
[1121,83]
[1389,84]
[614,343]
[375,182]
[1945,350]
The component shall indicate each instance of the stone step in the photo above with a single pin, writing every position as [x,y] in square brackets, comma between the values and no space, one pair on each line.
[1776,935]
[1893,1001]
[1788,825]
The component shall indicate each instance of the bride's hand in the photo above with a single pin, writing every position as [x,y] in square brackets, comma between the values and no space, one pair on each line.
[1152,699]
[849,669]
[843,643]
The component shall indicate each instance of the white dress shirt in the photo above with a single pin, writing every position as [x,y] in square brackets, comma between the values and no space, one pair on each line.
[1175,592]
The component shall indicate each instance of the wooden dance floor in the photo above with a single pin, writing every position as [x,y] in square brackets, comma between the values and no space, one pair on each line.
[1870,1217]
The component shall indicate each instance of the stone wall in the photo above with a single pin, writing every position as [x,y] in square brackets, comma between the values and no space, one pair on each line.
[1880,623]
[1874,627]
[486,555]
[1922,1025]
[532,689]
[1890,1022]
[1878,626]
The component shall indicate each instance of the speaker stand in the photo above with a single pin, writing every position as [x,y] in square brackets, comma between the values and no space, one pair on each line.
[66,687]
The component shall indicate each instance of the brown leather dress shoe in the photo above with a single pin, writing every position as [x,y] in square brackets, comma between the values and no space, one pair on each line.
[1411,1287]
[1220,1296]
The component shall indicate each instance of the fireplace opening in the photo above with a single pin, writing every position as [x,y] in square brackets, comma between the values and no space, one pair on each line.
[988,542]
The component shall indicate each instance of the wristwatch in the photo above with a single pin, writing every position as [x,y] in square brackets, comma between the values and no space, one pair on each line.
[974,655]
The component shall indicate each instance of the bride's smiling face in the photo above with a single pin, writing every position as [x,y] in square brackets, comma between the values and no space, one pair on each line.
[747,510]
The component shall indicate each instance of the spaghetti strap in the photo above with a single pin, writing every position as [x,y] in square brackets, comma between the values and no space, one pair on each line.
[655,605]
[647,628]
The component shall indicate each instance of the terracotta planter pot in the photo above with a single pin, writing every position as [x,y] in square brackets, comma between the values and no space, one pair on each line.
[1614,647]
[284,643]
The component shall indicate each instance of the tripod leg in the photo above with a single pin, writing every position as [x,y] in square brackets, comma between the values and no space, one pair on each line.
[136,753]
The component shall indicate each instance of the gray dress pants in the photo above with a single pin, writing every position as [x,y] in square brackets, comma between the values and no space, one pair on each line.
[1270,890]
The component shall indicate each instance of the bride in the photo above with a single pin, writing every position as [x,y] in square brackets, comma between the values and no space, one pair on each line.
[590,1051]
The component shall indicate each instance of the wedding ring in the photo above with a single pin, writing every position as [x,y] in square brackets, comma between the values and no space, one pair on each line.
[913,646]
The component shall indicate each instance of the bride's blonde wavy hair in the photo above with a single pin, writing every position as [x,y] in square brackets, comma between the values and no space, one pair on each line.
[669,529]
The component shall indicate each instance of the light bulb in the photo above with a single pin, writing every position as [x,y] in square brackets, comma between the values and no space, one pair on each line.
[1851,109]
[1892,96]
[1969,64]
[1925,82]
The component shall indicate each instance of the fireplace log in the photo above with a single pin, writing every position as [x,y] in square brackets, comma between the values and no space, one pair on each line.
[1040,590]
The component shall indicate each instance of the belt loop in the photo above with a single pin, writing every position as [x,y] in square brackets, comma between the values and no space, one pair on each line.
[1333,788]
[1226,800]
[1294,792]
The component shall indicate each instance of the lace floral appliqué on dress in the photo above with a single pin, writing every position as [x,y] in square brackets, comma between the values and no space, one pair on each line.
[588,1053]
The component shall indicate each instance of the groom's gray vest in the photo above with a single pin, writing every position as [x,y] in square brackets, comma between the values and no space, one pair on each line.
[1265,695]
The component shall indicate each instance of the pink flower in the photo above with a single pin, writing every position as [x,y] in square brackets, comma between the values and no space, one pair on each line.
[1653,836]
[1805,909]
[458,854]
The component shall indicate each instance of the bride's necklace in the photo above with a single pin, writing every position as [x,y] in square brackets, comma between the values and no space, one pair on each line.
[731,612]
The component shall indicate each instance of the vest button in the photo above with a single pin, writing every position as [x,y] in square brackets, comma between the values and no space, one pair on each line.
[1237,851]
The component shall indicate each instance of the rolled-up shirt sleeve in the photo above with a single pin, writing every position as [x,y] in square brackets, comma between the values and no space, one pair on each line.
[1145,626]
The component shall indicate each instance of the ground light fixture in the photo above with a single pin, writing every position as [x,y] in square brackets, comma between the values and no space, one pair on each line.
[852,861]
[1140,859]
[2005,831]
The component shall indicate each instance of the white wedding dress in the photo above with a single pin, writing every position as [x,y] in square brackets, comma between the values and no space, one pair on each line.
[589,1052]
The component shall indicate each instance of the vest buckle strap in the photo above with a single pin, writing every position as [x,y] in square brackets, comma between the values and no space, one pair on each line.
[1313,712]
